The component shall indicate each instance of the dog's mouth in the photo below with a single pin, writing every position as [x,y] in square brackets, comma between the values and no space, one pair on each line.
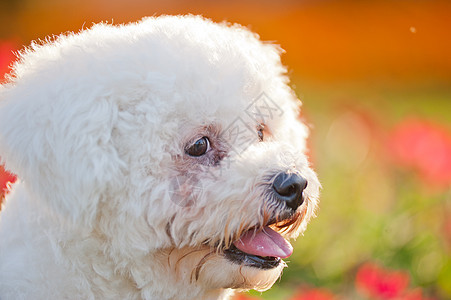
[262,249]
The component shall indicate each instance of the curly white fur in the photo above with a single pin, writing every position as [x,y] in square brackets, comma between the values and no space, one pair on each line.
[96,126]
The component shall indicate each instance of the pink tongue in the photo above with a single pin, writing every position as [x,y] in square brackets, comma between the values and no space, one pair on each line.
[266,242]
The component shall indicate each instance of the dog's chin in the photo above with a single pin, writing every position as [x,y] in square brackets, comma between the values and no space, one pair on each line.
[245,273]
[212,269]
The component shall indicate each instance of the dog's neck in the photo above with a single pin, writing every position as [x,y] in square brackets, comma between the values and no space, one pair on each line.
[178,271]
[85,258]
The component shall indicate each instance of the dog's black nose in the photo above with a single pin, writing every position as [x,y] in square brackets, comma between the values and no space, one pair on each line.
[289,188]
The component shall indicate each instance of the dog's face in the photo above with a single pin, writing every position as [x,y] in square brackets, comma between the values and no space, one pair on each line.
[174,138]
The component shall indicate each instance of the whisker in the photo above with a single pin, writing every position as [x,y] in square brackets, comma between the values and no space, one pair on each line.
[200,265]
[245,283]
[169,257]
[186,255]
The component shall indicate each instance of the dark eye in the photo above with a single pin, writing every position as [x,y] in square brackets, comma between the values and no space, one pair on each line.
[260,129]
[200,147]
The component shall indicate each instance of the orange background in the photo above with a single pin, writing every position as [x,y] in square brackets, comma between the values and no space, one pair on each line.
[324,40]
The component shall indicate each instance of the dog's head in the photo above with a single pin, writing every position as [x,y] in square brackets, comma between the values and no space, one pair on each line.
[175,138]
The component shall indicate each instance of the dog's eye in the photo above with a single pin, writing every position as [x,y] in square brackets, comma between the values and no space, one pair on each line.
[260,129]
[200,147]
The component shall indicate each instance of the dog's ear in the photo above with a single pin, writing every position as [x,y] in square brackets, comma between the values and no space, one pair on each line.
[59,143]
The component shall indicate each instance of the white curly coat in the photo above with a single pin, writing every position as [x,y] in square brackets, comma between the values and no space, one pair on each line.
[96,126]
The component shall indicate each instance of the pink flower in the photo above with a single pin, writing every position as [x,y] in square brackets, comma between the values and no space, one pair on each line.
[6,57]
[5,177]
[379,283]
[424,147]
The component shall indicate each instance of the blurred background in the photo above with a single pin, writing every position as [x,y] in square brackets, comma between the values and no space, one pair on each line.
[375,81]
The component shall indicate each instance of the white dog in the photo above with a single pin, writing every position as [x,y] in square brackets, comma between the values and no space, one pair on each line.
[163,159]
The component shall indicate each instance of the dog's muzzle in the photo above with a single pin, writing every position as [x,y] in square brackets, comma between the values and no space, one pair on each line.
[263,248]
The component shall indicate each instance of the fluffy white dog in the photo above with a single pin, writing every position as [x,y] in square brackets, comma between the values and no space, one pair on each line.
[163,159]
